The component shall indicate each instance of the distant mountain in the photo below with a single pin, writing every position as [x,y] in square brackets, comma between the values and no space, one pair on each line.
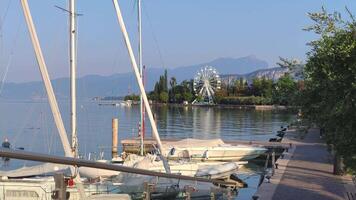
[270,73]
[223,65]
[120,84]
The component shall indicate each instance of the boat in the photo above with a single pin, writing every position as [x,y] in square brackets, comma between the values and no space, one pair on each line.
[216,153]
[36,188]
[151,162]
[210,150]
[126,103]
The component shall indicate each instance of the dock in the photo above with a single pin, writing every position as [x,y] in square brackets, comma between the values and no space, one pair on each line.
[306,172]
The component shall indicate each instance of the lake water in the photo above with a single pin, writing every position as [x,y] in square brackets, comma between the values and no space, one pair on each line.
[30,125]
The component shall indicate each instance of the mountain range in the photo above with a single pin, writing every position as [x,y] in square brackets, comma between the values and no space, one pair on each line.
[270,73]
[123,83]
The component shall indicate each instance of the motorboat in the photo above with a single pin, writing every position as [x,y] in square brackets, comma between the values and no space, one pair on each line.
[210,150]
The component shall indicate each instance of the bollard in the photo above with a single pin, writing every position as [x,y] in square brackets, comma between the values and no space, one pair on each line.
[273,161]
[266,162]
[115,135]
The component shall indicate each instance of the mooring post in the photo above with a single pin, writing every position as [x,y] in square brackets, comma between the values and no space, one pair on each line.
[115,135]
[273,161]
[266,162]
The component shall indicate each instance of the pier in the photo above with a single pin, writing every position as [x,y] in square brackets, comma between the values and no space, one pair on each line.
[306,172]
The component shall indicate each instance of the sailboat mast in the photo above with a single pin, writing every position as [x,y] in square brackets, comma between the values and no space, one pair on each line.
[142,108]
[50,93]
[73,63]
[137,74]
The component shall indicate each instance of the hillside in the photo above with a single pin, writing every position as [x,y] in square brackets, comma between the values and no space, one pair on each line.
[120,84]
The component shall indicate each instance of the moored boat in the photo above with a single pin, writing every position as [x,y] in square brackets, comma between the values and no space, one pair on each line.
[210,150]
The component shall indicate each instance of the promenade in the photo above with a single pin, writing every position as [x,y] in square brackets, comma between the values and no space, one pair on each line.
[306,173]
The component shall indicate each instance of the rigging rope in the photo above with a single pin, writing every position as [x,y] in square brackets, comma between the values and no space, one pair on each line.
[2,83]
[145,11]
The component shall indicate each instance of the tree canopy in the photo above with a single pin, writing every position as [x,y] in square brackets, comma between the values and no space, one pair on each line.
[329,95]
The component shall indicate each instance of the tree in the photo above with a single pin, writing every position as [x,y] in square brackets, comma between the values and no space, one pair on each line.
[241,86]
[163,97]
[329,95]
[285,90]
[173,84]
[262,87]
[132,97]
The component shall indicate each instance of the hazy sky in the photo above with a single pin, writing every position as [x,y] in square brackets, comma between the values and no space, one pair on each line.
[176,33]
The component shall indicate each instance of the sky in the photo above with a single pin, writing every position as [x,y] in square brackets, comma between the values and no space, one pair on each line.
[175,33]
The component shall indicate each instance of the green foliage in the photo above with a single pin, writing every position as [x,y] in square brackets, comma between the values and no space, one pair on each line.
[175,94]
[260,91]
[249,100]
[329,95]
[160,87]
[284,91]
[262,87]
[241,87]
[163,97]
[182,92]
[132,97]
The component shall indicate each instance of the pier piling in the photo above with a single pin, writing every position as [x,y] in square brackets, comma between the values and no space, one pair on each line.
[273,161]
[115,135]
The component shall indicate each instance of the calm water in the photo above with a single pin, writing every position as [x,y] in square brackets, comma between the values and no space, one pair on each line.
[30,125]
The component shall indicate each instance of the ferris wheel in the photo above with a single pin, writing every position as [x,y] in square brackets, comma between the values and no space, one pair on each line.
[206,83]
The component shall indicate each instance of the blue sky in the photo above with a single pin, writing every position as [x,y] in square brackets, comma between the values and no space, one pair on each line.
[176,33]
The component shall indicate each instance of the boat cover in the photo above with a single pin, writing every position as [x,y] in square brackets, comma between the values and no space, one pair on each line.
[37,170]
[189,142]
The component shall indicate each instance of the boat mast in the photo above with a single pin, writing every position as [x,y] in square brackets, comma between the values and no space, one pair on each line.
[139,81]
[142,108]
[50,93]
[73,63]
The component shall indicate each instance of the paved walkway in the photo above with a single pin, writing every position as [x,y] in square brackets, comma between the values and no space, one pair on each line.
[308,175]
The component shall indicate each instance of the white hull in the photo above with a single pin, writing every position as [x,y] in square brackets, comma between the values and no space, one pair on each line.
[41,189]
[177,167]
[215,153]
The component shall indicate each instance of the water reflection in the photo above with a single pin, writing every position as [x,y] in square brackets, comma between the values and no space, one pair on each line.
[30,124]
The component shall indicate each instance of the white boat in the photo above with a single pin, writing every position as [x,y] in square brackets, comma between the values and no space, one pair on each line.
[41,188]
[126,103]
[210,150]
[216,153]
[183,167]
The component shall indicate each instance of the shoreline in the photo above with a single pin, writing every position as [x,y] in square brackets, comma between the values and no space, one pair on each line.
[255,107]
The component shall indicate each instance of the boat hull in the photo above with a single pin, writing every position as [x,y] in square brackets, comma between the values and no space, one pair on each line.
[230,153]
